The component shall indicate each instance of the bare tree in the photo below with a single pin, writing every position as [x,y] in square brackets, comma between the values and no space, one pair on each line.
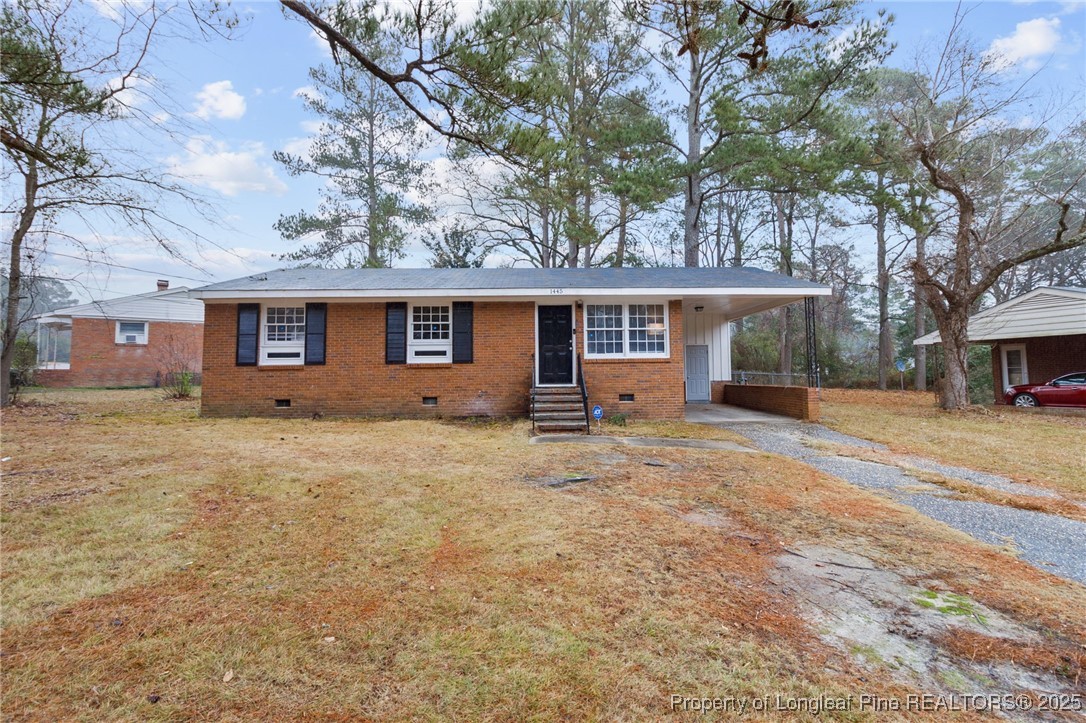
[177,358]
[996,182]
[72,90]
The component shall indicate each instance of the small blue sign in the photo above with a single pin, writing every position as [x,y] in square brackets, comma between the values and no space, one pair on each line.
[597,412]
[900,365]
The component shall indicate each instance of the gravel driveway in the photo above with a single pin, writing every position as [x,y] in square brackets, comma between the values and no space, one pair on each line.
[1053,543]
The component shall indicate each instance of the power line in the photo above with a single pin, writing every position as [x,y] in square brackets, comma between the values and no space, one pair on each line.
[129,268]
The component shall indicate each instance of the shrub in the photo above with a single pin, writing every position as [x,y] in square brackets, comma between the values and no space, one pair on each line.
[179,385]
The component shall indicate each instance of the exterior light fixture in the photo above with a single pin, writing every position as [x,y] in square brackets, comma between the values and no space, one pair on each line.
[699,309]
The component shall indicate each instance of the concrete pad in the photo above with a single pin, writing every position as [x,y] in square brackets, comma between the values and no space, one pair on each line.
[728,414]
[639,442]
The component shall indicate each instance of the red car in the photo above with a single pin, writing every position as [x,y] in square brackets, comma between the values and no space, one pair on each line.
[1066,391]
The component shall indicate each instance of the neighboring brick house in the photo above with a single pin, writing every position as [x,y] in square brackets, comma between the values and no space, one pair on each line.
[1035,337]
[130,341]
[477,342]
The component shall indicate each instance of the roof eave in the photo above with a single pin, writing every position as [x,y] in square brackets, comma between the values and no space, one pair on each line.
[668,292]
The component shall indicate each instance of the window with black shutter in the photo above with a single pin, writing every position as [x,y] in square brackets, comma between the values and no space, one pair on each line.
[248,334]
[316,321]
[462,332]
[396,332]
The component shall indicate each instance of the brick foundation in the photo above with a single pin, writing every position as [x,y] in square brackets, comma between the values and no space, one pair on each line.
[1047,357]
[799,402]
[355,380]
[97,360]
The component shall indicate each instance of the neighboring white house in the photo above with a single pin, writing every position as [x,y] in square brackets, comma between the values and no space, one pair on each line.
[117,342]
[1034,337]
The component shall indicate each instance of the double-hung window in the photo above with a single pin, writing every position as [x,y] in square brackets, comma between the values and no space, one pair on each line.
[647,328]
[625,330]
[430,337]
[131,332]
[604,329]
[283,335]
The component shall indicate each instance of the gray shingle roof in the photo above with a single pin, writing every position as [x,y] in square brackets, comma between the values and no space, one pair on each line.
[307,279]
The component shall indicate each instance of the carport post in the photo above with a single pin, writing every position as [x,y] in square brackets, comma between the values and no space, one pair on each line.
[812,343]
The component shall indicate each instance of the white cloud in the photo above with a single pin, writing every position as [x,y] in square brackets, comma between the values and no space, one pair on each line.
[228,171]
[107,8]
[218,100]
[297,147]
[1031,41]
[306,91]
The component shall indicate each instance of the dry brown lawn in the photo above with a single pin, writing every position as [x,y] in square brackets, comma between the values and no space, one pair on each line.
[157,565]
[1038,449]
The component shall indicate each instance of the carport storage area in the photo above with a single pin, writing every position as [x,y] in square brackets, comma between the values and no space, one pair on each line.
[707,340]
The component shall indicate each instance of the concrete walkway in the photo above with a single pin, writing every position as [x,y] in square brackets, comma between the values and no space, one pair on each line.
[724,414]
[639,442]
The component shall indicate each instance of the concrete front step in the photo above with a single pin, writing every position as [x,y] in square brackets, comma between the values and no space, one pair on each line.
[558,409]
[571,415]
[541,405]
[564,401]
[561,426]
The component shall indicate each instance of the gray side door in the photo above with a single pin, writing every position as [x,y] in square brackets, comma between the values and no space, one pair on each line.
[697,373]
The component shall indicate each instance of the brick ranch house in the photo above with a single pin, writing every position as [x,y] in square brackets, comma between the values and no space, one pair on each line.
[125,342]
[478,342]
[1035,337]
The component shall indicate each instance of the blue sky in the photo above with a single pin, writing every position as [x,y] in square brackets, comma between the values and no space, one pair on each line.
[241,97]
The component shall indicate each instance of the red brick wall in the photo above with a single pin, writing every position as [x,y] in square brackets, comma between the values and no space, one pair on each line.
[97,360]
[798,402]
[1047,357]
[658,385]
[356,381]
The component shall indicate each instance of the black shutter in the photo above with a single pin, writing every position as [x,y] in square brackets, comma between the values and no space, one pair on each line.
[396,332]
[248,334]
[462,332]
[316,320]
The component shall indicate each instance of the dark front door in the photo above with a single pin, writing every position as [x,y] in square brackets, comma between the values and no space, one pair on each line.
[555,345]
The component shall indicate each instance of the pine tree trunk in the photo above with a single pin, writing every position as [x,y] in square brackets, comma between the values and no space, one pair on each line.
[920,321]
[620,248]
[693,195]
[373,257]
[588,247]
[883,282]
[784,231]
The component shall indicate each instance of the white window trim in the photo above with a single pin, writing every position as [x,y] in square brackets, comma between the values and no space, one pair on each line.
[266,346]
[414,345]
[626,353]
[1003,349]
[141,339]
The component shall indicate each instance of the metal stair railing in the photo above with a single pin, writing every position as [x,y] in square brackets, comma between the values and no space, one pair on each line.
[584,396]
